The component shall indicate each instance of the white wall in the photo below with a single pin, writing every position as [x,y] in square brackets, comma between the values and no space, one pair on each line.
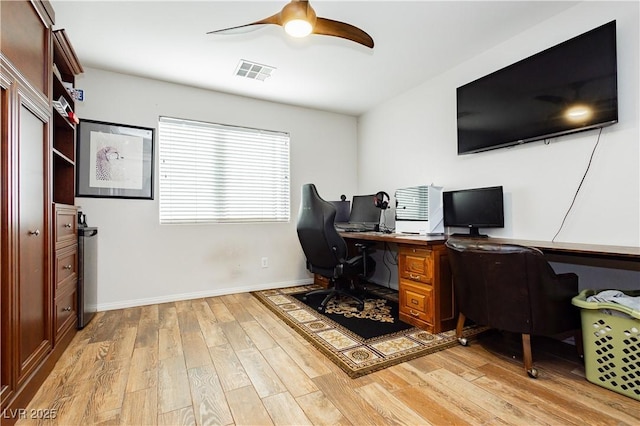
[411,140]
[142,262]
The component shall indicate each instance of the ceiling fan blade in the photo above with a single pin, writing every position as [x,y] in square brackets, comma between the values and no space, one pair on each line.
[241,29]
[273,19]
[330,27]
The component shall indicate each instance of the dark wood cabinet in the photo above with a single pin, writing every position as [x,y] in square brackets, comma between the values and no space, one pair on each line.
[38,243]
[26,296]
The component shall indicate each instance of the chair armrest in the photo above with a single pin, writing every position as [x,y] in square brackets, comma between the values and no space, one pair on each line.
[566,286]
[552,311]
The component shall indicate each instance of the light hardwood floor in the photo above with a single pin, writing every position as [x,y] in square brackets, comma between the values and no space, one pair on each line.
[229,360]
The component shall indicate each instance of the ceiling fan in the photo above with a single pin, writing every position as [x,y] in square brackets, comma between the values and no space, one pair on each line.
[299,20]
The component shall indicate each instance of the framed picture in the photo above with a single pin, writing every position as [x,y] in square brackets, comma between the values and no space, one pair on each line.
[114,160]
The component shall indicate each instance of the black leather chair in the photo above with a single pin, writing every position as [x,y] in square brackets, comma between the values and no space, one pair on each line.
[512,288]
[326,251]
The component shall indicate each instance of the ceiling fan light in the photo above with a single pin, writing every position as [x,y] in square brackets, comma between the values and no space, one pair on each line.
[298,28]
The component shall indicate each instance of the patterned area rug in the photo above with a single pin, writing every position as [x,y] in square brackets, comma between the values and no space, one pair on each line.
[354,354]
[379,317]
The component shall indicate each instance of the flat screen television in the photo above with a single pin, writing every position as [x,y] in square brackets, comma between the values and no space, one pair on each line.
[474,208]
[568,88]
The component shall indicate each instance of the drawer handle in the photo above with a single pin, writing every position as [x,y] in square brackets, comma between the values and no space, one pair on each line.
[414,277]
[414,301]
[67,309]
[67,267]
[413,313]
[67,225]
[36,232]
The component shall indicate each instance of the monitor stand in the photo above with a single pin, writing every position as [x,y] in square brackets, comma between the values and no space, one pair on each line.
[474,232]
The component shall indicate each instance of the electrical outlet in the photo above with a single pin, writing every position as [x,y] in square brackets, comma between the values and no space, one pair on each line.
[265,262]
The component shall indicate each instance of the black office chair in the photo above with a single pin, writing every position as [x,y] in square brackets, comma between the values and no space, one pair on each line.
[326,250]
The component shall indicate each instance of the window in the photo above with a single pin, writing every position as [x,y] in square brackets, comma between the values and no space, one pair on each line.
[214,173]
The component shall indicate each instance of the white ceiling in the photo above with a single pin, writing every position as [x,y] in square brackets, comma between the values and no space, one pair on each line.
[414,41]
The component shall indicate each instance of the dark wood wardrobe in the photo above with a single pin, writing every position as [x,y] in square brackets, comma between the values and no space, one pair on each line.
[37,179]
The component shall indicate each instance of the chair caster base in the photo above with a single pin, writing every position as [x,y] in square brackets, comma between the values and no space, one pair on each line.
[463,341]
[533,373]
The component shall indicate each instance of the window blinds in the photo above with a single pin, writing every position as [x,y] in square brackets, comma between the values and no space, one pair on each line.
[213,173]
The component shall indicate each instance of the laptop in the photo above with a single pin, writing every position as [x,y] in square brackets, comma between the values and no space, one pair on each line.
[364,216]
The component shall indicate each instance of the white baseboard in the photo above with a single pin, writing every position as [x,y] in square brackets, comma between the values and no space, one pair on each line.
[198,295]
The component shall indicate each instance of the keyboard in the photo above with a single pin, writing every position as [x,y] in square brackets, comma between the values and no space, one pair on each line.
[355,227]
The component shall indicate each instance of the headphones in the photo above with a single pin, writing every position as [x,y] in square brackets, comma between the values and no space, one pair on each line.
[381,200]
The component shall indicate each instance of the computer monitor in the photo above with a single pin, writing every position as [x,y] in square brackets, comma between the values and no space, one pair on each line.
[364,210]
[474,208]
[343,210]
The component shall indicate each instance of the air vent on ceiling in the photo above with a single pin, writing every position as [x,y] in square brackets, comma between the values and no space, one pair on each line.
[253,71]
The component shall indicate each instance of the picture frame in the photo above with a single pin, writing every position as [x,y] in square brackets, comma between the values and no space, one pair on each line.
[114,160]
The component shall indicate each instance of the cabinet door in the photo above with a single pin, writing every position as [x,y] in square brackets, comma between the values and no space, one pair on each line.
[25,41]
[33,292]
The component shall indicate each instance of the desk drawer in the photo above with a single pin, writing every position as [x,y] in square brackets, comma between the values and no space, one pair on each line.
[416,264]
[416,300]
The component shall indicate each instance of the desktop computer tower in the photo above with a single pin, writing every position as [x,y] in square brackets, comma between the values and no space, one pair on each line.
[419,210]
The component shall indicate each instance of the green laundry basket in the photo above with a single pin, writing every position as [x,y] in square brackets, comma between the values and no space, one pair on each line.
[611,344]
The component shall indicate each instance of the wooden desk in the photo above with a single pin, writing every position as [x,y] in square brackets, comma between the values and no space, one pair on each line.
[606,256]
[409,239]
[425,288]
[424,277]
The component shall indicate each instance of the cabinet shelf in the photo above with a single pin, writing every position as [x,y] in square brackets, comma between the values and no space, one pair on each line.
[64,137]
[60,90]
[62,121]
[64,170]
[59,156]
